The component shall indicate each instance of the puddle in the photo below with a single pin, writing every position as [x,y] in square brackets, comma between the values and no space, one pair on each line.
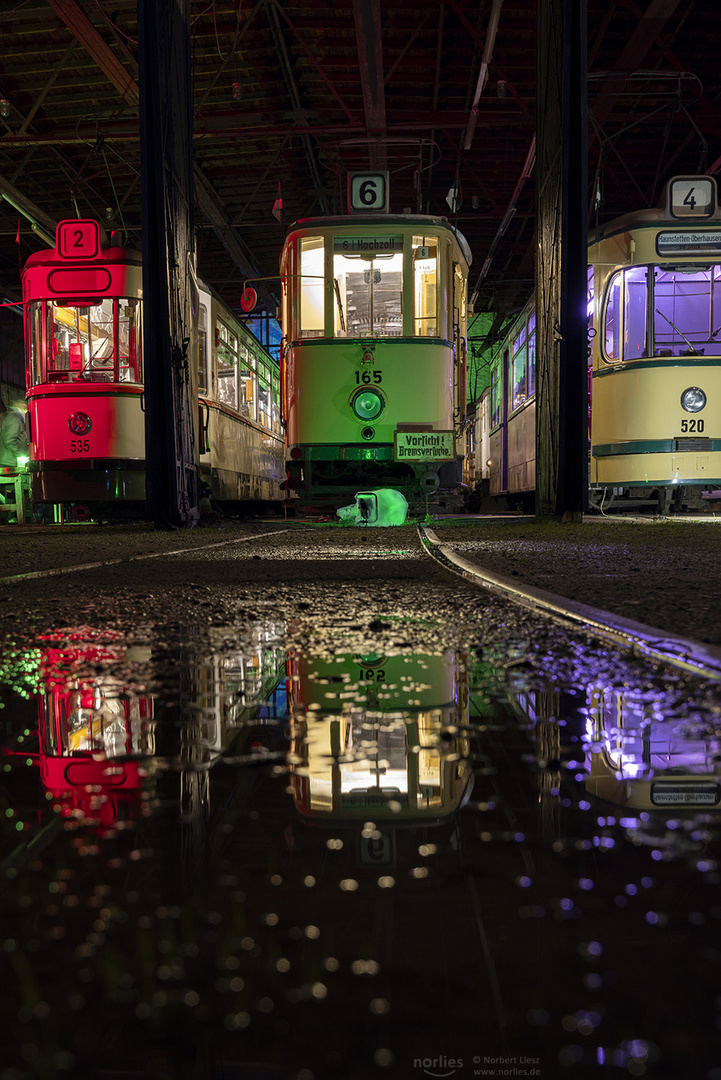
[255,860]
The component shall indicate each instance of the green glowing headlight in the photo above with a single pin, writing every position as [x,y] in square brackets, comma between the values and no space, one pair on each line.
[367,404]
[22,461]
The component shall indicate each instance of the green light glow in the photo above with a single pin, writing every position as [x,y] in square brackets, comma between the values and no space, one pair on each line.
[367,404]
[381,507]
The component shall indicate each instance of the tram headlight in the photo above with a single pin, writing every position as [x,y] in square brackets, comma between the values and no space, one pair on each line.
[693,399]
[367,404]
[79,423]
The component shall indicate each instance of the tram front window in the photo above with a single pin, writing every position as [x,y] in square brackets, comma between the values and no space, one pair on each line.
[81,341]
[687,311]
[368,295]
[663,311]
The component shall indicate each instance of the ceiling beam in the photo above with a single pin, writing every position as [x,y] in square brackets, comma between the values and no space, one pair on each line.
[126,85]
[81,27]
[650,27]
[367,16]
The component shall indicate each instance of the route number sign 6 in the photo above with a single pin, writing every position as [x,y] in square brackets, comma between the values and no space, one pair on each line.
[368,192]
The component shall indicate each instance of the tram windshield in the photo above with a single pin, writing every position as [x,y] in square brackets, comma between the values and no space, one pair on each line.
[72,342]
[663,311]
[369,293]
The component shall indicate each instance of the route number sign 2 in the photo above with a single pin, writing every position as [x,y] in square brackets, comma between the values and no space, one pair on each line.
[368,192]
[78,238]
[692,197]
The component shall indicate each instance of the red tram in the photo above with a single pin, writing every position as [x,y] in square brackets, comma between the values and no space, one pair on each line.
[84,353]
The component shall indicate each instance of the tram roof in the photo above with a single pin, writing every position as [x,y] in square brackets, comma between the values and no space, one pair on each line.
[298,94]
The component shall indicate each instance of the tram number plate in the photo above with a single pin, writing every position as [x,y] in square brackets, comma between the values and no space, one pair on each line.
[80,446]
[377,850]
[424,446]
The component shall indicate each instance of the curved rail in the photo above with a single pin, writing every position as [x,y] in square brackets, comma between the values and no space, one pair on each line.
[692,656]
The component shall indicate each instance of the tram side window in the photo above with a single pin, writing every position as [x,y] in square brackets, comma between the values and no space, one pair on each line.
[247,384]
[612,320]
[275,398]
[519,381]
[129,350]
[311,288]
[625,324]
[532,354]
[227,350]
[496,391]
[636,287]
[369,295]
[263,395]
[203,348]
[425,286]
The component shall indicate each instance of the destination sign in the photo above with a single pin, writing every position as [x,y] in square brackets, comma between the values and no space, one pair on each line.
[689,243]
[425,446]
[367,245]
[699,794]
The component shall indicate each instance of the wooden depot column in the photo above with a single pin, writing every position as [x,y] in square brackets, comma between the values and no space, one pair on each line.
[561,260]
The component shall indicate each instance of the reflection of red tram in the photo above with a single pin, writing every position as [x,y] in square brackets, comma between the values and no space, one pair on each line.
[96,740]
[379,736]
[86,743]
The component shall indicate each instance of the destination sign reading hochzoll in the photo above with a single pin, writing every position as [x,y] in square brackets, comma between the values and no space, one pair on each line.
[367,244]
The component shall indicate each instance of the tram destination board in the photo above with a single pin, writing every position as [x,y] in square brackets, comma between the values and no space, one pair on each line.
[424,446]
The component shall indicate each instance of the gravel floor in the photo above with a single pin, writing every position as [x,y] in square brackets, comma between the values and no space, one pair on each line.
[662,573]
[666,574]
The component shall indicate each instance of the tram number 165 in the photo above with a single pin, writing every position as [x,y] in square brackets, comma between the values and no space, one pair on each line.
[373,675]
[366,377]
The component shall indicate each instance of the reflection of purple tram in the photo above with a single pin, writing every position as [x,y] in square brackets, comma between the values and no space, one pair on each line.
[637,761]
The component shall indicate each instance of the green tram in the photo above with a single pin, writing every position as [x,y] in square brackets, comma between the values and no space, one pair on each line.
[373,362]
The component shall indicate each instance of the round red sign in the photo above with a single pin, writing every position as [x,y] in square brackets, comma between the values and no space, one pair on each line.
[248,298]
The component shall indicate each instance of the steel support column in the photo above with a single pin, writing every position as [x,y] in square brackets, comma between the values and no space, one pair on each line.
[169,288]
[561,260]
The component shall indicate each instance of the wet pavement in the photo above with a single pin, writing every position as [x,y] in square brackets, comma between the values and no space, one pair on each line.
[305,805]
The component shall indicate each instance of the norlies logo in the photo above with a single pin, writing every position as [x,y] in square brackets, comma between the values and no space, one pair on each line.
[438,1066]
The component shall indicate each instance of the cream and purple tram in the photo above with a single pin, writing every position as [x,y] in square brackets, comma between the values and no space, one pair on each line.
[374,358]
[85,389]
[656,347]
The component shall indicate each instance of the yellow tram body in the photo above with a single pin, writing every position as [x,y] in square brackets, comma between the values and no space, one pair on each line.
[655,278]
[654,358]
[374,358]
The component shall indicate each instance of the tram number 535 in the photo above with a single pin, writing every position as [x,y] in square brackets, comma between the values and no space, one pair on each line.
[79,446]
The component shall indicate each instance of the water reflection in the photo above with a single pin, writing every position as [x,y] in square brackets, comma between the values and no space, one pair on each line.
[385,736]
[241,858]
[637,758]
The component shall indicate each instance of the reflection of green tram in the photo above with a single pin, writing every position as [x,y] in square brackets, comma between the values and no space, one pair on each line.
[379,737]
[637,761]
